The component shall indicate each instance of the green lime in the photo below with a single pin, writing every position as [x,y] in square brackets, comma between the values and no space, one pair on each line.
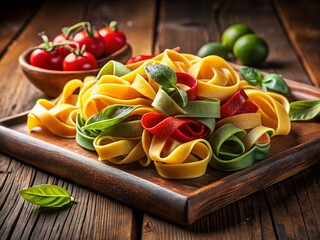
[251,50]
[233,33]
[213,48]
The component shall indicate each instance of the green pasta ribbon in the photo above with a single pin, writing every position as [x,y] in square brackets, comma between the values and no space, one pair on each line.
[113,68]
[207,108]
[229,152]
[204,111]
[85,138]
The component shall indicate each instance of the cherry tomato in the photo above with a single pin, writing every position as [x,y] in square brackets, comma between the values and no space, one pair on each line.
[46,59]
[94,42]
[114,38]
[84,61]
[59,39]
[139,58]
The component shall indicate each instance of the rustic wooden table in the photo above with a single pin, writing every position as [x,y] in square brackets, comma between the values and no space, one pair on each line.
[287,210]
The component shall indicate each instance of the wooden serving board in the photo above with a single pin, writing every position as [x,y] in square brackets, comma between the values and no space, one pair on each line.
[179,201]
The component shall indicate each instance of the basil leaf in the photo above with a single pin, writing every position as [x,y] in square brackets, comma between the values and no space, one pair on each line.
[113,68]
[304,110]
[167,79]
[253,76]
[46,195]
[183,97]
[108,117]
[274,82]
[162,74]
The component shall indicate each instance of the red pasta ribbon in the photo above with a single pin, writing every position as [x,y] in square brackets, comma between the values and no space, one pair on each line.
[181,129]
[238,104]
[191,82]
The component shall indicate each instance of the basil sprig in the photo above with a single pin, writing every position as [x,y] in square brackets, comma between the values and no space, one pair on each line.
[46,195]
[167,79]
[272,82]
[304,110]
[108,117]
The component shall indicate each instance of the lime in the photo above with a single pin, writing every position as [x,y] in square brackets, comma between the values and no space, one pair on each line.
[213,48]
[233,33]
[251,50]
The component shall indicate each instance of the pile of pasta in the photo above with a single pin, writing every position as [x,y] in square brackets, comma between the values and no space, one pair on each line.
[126,116]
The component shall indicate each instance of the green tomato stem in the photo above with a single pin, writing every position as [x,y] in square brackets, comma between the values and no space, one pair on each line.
[114,26]
[85,25]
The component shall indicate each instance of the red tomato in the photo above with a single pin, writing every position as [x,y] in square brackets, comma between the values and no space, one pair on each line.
[48,60]
[94,44]
[59,39]
[74,62]
[139,58]
[113,38]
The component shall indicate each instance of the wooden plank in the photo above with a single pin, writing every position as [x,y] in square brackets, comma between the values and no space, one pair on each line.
[246,219]
[302,25]
[13,17]
[91,217]
[262,18]
[188,28]
[136,20]
[294,206]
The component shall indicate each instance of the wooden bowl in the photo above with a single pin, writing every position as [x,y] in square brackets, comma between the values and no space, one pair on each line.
[51,82]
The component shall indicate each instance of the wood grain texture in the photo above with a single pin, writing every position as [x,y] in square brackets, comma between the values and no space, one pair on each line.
[262,18]
[137,21]
[302,25]
[90,217]
[12,24]
[246,219]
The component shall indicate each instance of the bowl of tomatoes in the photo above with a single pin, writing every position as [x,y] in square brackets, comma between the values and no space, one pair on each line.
[73,55]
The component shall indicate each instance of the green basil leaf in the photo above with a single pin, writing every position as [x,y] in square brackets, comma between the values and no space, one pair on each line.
[113,68]
[253,76]
[183,100]
[304,110]
[162,74]
[46,195]
[276,83]
[167,79]
[108,117]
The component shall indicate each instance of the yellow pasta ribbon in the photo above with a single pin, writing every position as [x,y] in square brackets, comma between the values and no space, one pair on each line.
[59,120]
[176,160]
[273,109]
[243,121]
[59,116]
[216,78]
[107,91]
[255,134]
[178,62]
[118,150]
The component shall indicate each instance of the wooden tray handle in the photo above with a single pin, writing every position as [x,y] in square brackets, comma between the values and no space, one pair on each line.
[300,91]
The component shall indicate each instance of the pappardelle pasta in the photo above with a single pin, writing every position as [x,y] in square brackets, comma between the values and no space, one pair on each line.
[177,111]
